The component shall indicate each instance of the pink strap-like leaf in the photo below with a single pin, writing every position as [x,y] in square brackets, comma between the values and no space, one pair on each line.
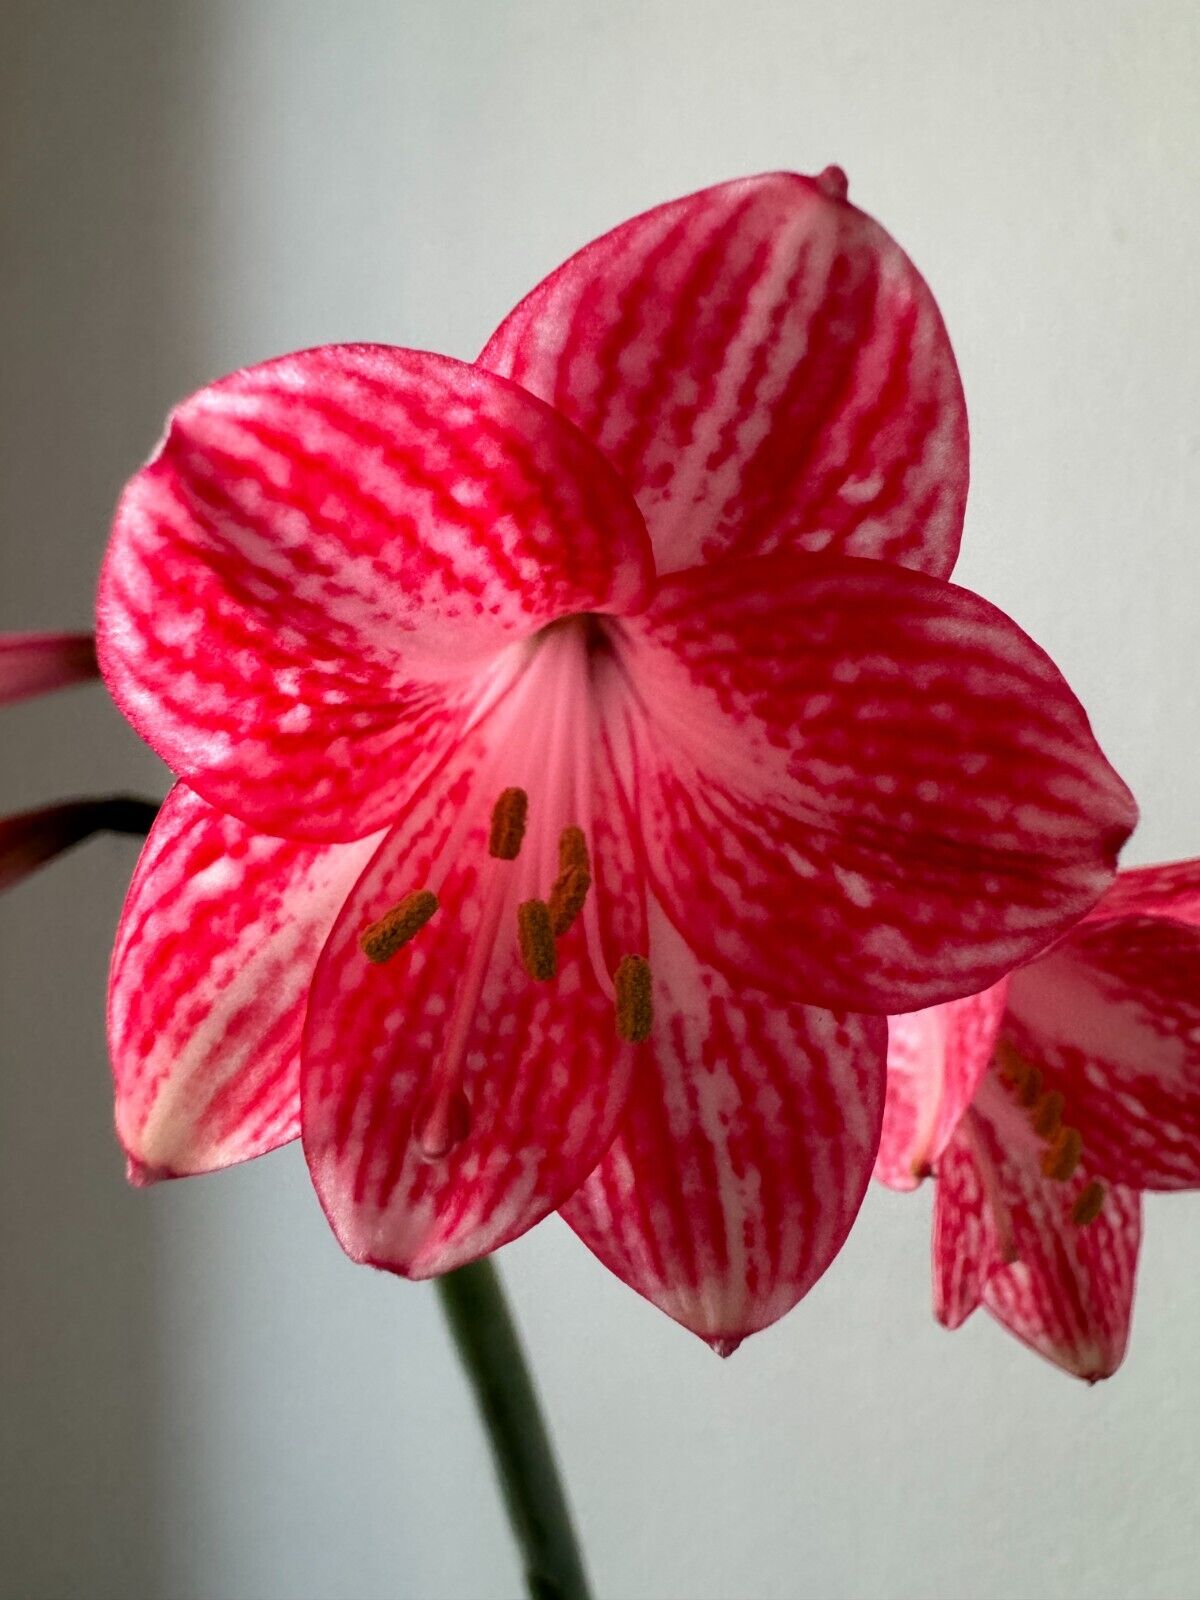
[936,1058]
[743,1155]
[308,583]
[765,368]
[32,663]
[214,955]
[1063,1288]
[1111,1017]
[861,786]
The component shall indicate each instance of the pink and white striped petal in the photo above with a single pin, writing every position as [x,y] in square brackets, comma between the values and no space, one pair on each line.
[308,585]
[1064,1289]
[743,1155]
[767,371]
[1171,889]
[970,1226]
[214,955]
[31,839]
[1111,1017]
[34,663]
[860,786]
[936,1058]
[450,1101]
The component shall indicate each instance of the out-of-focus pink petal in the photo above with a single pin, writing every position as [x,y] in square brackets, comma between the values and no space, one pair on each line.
[214,955]
[936,1058]
[967,1242]
[1169,890]
[452,1033]
[860,786]
[766,369]
[1064,1289]
[1111,1017]
[32,663]
[743,1155]
[29,839]
[308,585]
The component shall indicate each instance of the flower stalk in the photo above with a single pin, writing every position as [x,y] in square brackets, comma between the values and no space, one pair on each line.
[490,1350]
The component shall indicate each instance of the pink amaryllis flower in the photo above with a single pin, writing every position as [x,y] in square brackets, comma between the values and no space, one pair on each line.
[575,746]
[1046,1105]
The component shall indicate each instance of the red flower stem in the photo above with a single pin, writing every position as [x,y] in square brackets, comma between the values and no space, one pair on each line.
[490,1351]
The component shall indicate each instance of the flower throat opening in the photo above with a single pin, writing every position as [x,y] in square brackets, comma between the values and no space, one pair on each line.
[444,1120]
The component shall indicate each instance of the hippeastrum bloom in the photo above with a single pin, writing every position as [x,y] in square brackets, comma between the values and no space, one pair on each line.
[1046,1105]
[33,663]
[574,746]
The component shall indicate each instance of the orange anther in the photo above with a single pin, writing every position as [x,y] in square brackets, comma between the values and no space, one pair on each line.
[635,1010]
[536,939]
[1047,1114]
[508,824]
[1088,1203]
[380,941]
[1062,1158]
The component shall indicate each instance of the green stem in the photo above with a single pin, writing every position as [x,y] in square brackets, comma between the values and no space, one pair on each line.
[490,1351]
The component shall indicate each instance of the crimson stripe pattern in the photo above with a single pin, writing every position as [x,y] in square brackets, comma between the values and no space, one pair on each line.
[765,368]
[1064,1290]
[743,1155]
[310,578]
[213,958]
[885,754]
[936,1058]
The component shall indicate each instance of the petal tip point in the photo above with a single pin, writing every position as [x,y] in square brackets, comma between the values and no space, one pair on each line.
[140,1175]
[722,1346]
[833,183]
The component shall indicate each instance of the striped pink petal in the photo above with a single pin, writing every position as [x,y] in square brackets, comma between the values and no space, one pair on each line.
[765,368]
[450,1101]
[1062,1288]
[860,786]
[32,663]
[936,1058]
[743,1155]
[30,839]
[968,1240]
[1111,1017]
[213,958]
[308,583]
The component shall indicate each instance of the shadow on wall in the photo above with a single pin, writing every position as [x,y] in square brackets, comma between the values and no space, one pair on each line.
[99,119]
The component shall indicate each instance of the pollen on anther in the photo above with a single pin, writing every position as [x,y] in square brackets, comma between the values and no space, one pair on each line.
[1029,1089]
[508,824]
[1062,1158]
[573,850]
[635,1010]
[536,939]
[381,940]
[1047,1114]
[567,898]
[1088,1203]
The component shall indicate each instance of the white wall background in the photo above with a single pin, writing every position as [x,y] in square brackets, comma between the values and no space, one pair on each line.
[204,1400]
